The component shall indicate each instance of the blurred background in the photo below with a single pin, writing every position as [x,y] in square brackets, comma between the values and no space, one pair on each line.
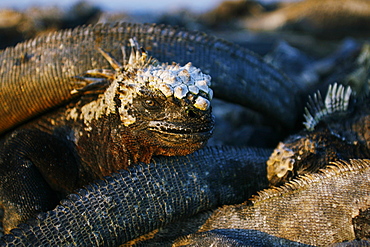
[242,21]
[117,5]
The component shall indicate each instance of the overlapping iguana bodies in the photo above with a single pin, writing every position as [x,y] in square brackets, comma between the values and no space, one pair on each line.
[145,197]
[315,209]
[123,116]
[327,197]
[40,76]
[73,212]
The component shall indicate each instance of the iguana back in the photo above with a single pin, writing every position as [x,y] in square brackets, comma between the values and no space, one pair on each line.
[314,209]
[40,74]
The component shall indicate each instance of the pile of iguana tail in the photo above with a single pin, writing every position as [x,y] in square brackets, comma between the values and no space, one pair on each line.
[145,197]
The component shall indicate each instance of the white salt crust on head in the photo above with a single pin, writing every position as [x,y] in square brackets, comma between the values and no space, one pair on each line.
[178,81]
[171,80]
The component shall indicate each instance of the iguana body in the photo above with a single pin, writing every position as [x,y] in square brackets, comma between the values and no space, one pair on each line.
[148,196]
[40,74]
[314,209]
[317,209]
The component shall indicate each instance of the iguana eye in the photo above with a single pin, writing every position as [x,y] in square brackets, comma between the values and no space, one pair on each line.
[150,103]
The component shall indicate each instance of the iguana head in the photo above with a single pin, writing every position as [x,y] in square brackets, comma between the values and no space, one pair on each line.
[165,107]
[326,138]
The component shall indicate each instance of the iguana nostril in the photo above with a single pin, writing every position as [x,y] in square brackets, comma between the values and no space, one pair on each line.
[192,114]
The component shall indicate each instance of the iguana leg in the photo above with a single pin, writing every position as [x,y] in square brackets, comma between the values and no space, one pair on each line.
[361,224]
[31,161]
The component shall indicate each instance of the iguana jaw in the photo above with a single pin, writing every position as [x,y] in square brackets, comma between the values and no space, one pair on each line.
[179,132]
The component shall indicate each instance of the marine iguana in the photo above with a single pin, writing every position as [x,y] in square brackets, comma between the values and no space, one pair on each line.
[337,128]
[45,73]
[84,197]
[139,109]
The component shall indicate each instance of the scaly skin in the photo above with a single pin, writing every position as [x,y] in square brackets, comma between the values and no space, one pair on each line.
[68,136]
[314,209]
[147,196]
[124,116]
[48,79]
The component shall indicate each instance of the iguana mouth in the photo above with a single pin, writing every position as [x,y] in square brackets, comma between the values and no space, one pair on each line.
[175,132]
[184,130]
[180,128]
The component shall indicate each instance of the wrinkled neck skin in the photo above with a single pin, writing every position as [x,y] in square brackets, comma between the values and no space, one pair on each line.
[109,146]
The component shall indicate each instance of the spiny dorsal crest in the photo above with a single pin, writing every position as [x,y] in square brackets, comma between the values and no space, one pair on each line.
[336,100]
[138,58]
